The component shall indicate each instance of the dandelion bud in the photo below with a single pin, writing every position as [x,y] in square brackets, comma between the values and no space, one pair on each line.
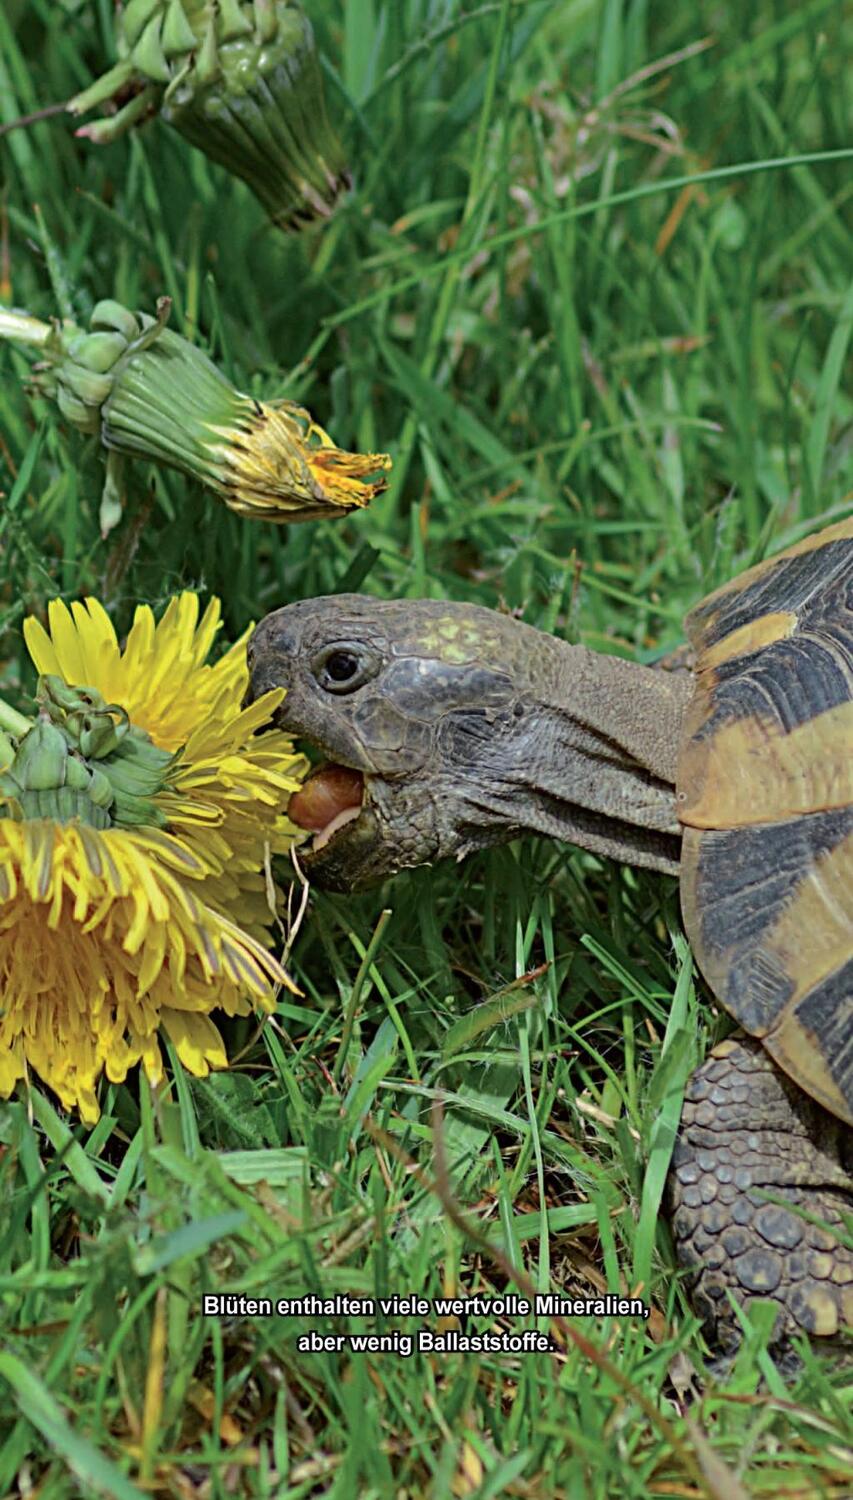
[239,80]
[146,392]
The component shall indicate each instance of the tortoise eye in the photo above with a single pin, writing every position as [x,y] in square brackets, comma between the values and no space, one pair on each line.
[342,669]
[341,666]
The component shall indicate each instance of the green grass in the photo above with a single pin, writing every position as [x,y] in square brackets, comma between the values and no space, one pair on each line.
[604,391]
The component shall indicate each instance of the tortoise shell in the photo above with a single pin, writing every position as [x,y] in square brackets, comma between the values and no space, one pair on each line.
[765,794]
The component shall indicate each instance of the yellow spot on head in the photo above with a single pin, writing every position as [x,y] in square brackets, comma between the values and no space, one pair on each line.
[457,655]
[454,640]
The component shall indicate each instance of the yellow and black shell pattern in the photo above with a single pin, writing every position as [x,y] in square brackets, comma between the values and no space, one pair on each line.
[765,796]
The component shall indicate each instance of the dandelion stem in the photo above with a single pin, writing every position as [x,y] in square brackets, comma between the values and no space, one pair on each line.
[20,326]
[12,721]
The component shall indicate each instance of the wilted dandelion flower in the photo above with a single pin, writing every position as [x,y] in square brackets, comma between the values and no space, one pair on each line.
[239,79]
[145,391]
[135,818]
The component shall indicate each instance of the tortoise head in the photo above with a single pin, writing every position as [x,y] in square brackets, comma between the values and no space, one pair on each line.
[461,726]
[419,699]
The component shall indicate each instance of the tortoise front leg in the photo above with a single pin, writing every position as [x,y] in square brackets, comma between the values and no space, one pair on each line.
[748,1132]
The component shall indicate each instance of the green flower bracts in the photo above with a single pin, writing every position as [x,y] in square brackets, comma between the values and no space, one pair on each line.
[81,759]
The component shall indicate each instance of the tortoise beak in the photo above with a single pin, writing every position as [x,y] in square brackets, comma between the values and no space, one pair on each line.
[347,862]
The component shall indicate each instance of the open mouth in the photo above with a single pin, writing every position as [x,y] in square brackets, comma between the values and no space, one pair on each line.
[331,798]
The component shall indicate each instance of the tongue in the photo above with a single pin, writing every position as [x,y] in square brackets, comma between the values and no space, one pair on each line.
[330,792]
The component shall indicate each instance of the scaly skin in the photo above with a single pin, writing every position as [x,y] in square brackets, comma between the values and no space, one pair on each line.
[754,1154]
[470,728]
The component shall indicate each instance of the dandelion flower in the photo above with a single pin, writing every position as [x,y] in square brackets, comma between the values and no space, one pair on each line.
[146,392]
[135,818]
[229,790]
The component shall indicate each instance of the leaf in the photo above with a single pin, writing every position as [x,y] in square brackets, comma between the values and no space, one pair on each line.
[91,1467]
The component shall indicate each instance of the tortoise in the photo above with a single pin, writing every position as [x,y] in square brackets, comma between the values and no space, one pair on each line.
[450,727]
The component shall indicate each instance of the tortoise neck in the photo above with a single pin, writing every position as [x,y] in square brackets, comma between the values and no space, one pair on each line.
[638,709]
[595,760]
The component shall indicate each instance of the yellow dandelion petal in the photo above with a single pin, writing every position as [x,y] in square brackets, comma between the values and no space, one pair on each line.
[37,839]
[238,729]
[178,958]
[98,913]
[179,621]
[91,850]
[146,878]
[11,1069]
[54,910]
[118,1059]
[66,640]
[41,647]
[211,623]
[115,876]
[141,920]
[98,645]
[196,1041]
[86,1101]
[151,1058]
[140,643]
[175,852]
[153,957]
